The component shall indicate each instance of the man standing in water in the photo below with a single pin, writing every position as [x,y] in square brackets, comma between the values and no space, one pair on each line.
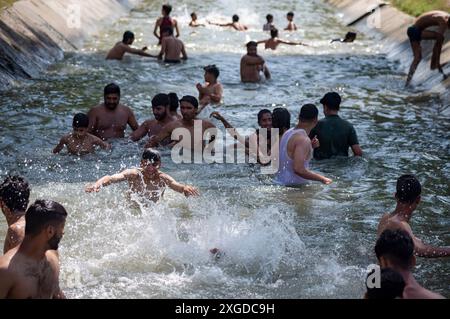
[252,64]
[212,91]
[419,32]
[110,119]
[165,22]
[408,198]
[296,151]
[119,50]
[160,107]
[14,197]
[171,47]
[31,270]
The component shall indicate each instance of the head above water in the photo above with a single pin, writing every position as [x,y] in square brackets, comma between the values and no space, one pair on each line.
[46,219]
[213,70]
[274,33]
[235,18]
[408,190]
[331,101]
[189,107]
[290,15]
[308,113]
[160,106]
[166,9]
[391,286]
[269,18]
[80,120]
[194,16]
[281,119]
[252,48]
[151,157]
[128,37]
[265,118]
[112,96]
[395,249]
[174,102]
[14,194]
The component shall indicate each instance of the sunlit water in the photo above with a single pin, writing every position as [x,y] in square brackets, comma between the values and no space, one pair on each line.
[314,241]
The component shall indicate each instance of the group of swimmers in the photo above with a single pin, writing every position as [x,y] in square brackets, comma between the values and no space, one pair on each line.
[30,266]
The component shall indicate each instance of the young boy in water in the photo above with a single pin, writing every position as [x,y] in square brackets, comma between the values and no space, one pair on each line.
[269,25]
[291,25]
[80,142]
[146,180]
[212,91]
[194,23]
[274,41]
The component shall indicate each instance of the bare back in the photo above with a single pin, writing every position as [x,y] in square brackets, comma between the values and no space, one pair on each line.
[15,235]
[172,48]
[432,18]
[117,52]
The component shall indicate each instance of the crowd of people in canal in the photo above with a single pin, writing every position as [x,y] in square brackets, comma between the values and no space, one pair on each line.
[30,266]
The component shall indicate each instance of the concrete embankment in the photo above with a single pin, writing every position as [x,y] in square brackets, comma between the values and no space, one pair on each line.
[390,26]
[36,33]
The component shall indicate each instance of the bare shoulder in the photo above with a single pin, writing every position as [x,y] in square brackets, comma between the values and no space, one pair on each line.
[95,110]
[94,138]
[208,124]
[53,257]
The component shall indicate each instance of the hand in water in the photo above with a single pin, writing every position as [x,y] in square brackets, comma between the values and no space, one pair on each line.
[92,188]
[190,191]
[327,181]
[315,142]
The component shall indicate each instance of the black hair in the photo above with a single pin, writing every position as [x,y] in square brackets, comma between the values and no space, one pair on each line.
[193,14]
[80,120]
[167,8]
[151,155]
[127,36]
[290,13]
[174,102]
[15,193]
[274,32]
[397,246]
[168,30]
[281,119]
[112,89]
[269,17]
[42,214]
[308,113]
[252,44]
[392,285]
[213,69]
[160,99]
[261,113]
[235,18]
[408,189]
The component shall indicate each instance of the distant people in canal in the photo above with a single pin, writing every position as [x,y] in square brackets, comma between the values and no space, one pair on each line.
[119,50]
[166,21]
[349,38]
[269,25]
[291,25]
[212,91]
[194,23]
[235,24]
[80,142]
[172,49]
[274,41]
[111,118]
[252,64]
[418,32]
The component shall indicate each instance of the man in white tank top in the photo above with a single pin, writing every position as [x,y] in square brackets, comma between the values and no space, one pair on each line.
[296,151]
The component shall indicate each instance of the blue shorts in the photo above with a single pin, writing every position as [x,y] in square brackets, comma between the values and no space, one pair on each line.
[414,34]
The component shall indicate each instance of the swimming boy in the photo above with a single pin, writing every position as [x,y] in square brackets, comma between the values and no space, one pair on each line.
[291,25]
[235,24]
[274,41]
[269,25]
[194,23]
[212,91]
[119,50]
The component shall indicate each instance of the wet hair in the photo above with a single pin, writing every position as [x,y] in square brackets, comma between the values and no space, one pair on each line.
[42,214]
[112,89]
[212,69]
[168,30]
[392,285]
[269,17]
[174,102]
[261,114]
[274,32]
[151,155]
[290,14]
[160,99]
[408,189]
[397,246]
[235,18]
[167,8]
[15,193]
[252,44]
[128,35]
[332,100]
[80,120]
[281,119]
[308,113]
[193,14]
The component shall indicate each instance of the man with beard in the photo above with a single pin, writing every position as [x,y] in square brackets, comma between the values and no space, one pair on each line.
[110,119]
[160,106]
[31,270]
[252,64]
[189,109]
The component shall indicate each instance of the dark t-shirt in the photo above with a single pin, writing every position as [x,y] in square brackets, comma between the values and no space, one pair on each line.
[335,136]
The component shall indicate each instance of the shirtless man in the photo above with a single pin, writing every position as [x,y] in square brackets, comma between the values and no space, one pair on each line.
[110,119]
[174,105]
[269,25]
[408,198]
[165,22]
[291,25]
[171,47]
[189,109]
[395,250]
[235,24]
[296,151]
[274,41]
[14,197]
[194,23]
[212,91]
[80,142]
[147,180]
[418,32]
[252,64]
[160,107]
[31,270]
[119,50]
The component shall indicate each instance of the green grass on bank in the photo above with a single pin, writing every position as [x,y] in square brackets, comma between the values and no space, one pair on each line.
[417,7]
[6,3]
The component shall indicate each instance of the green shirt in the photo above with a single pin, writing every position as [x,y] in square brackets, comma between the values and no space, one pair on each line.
[335,136]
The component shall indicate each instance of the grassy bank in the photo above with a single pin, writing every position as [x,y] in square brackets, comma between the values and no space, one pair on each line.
[6,3]
[417,7]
